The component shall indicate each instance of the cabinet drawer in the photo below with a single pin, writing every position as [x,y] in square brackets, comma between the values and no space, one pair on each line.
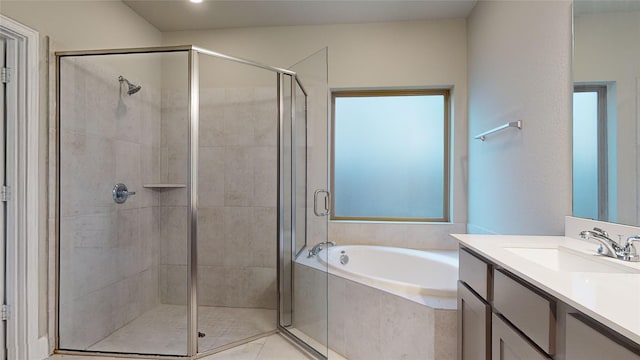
[475,273]
[508,344]
[583,342]
[532,313]
[474,325]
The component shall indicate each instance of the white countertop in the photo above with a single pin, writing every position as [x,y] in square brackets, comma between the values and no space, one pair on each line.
[610,298]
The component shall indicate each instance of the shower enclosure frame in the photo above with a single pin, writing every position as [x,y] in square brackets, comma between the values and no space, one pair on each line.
[193,53]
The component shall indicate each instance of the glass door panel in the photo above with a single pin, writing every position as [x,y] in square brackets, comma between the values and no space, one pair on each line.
[309,188]
[237,202]
[123,152]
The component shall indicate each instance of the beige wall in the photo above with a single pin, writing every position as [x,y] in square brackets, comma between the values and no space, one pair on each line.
[404,54]
[80,25]
[520,69]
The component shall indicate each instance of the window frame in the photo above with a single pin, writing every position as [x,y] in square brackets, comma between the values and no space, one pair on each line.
[446,93]
[603,152]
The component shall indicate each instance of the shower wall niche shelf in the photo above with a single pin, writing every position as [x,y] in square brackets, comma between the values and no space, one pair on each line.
[163,186]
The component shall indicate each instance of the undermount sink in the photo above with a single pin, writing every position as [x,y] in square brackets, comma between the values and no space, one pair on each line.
[568,260]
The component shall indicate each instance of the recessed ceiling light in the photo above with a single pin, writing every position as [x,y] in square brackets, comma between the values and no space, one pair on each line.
[196,1]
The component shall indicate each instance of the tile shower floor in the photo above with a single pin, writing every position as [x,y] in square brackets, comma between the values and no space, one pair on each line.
[162,330]
[273,347]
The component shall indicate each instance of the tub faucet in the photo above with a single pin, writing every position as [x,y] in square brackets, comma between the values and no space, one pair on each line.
[611,248]
[318,247]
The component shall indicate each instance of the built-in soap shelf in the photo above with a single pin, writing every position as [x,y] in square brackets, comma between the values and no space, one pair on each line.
[163,186]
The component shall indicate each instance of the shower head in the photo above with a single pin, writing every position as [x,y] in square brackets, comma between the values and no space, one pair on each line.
[132,88]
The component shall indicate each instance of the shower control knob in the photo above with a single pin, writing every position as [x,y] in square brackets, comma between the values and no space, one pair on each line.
[121,193]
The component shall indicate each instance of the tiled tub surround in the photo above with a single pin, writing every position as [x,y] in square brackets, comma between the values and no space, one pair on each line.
[108,252]
[369,323]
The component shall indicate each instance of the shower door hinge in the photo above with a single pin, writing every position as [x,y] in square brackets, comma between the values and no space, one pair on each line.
[5,312]
[5,194]
[5,75]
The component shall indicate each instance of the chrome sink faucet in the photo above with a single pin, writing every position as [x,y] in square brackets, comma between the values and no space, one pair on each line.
[318,247]
[610,248]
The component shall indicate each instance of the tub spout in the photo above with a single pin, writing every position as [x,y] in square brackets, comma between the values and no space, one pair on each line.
[318,247]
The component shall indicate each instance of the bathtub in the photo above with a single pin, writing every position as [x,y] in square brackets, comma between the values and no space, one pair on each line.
[383,302]
[427,277]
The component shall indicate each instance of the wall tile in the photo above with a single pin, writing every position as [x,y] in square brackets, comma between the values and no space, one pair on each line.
[265,166]
[364,308]
[87,319]
[174,284]
[129,252]
[237,235]
[211,176]
[338,316]
[173,229]
[446,334]
[211,282]
[128,161]
[239,117]
[87,174]
[264,237]
[262,287]
[177,163]
[238,176]
[406,330]
[128,113]
[211,236]
[211,130]
[266,121]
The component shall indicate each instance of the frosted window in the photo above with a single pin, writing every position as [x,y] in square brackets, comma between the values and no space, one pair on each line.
[585,154]
[389,157]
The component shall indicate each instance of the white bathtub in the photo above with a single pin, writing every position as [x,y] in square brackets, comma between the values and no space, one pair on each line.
[368,295]
[427,277]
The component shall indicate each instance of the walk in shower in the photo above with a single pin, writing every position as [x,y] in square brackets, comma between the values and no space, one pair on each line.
[186,189]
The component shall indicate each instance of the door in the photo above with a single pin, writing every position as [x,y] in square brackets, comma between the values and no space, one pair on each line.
[584,342]
[303,310]
[474,325]
[123,203]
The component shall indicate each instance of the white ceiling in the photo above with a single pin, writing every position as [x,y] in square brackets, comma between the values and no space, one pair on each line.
[176,15]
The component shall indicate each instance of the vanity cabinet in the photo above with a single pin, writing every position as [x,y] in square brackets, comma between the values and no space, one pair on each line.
[508,344]
[502,317]
[474,325]
[528,310]
[583,342]
[474,309]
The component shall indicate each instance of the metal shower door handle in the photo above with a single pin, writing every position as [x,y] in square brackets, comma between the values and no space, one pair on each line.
[327,202]
[121,193]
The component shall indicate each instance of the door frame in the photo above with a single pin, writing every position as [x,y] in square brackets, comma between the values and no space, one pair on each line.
[23,268]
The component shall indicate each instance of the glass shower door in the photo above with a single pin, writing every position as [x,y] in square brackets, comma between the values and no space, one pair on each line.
[304,279]
[122,181]
[237,200]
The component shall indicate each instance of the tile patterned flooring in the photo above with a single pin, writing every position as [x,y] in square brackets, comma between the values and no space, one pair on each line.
[163,329]
[273,347]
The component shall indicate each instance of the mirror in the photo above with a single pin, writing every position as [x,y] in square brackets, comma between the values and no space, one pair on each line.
[606,72]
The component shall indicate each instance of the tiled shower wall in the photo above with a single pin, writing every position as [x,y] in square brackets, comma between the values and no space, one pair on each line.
[108,252]
[237,198]
[118,261]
